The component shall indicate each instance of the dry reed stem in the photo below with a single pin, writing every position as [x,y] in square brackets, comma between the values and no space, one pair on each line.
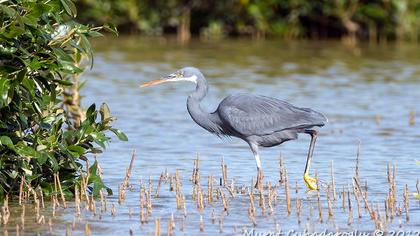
[298,210]
[77,201]
[260,177]
[182,224]
[5,210]
[364,196]
[185,206]
[200,200]
[418,189]
[412,118]
[73,225]
[179,195]
[201,224]
[333,181]
[22,217]
[275,195]
[102,198]
[390,204]
[210,189]
[171,225]
[330,209]
[157,227]
[63,199]
[350,215]
[67,230]
[86,181]
[41,220]
[343,197]
[356,197]
[378,221]
[123,186]
[261,198]
[281,181]
[231,188]
[22,180]
[221,223]
[55,188]
[93,205]
[113,210]
[158,185]
[42,198]
[386,205]
[224,201]
[251,209]
[224,172]
[87,229]
[171,183]
[213,216]
[50,225]
[287,192]
[142,205]
[130,167]
[177,182]
[269,202]
[357,159]
[319,199]
[394,193]
[149,201]
[405,196]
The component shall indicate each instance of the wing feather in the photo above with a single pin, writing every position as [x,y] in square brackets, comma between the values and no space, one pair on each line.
[249,114]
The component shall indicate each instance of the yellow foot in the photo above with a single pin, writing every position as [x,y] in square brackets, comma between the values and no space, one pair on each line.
[310,182]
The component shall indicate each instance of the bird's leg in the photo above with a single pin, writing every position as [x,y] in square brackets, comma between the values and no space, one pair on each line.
[310,182]
[260,176]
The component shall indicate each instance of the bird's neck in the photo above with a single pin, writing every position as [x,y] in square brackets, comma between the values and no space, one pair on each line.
[203,118]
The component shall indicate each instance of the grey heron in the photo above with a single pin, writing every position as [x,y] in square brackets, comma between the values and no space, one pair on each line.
[260,121]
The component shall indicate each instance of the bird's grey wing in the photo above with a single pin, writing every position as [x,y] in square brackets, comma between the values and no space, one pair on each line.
[260,115]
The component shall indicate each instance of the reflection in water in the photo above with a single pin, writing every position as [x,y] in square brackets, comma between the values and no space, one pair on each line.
[351,86]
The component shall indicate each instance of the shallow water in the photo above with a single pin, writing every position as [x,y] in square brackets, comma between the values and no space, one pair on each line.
[367,93]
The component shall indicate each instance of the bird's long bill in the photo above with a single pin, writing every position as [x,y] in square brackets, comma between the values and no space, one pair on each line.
[153,82]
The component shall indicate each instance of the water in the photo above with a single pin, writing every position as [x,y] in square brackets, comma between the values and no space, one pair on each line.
[351,86]
[367,93]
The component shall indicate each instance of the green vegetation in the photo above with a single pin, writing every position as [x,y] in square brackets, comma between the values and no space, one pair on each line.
[43,130]
[376,21]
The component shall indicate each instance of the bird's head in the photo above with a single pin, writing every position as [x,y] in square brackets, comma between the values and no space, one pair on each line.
[190,74]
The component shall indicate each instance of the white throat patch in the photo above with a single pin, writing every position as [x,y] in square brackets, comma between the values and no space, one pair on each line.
[191,79]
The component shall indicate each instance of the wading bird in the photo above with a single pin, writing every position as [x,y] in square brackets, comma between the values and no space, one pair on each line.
[258,120]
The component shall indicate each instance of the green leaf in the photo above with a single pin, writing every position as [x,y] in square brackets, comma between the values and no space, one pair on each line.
[64,82]
[27,171]
[77,150]
[10,12]
[91,110]
[62,55]
[6,141]
[121,136]
[4,91]
[42,158]
[69,7]
[95,34]
[104,111]
[111,28]
[27,152]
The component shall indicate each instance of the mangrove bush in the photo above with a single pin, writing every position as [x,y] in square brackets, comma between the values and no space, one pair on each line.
[42,49]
